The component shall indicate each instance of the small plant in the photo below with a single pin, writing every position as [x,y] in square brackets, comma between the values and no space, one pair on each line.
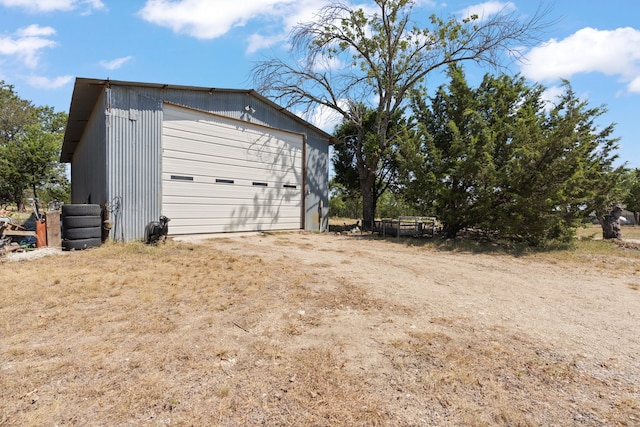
[222,391]
[171,404]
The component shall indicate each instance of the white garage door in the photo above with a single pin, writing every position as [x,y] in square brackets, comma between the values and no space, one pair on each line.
[222,175]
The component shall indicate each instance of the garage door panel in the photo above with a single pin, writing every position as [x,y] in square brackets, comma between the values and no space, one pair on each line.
[266,161]
[200,215]
[225,226]
[227,191]
[220,222]
[211,128]
[259,173]
[183,206]
[207,225]
[285,216]
[176,200]
[244,137]
[256,152]
[208,172]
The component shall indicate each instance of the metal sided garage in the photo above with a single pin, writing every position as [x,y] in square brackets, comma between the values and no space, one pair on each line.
[212,160]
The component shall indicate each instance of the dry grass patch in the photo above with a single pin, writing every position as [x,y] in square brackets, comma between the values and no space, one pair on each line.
[599,254]
[342,294]
[489,378]
[175,334]
[117,318]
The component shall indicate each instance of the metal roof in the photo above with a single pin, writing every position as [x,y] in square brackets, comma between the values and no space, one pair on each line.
[87,91]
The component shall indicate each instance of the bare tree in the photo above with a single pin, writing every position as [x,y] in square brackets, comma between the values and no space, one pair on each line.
[347,58]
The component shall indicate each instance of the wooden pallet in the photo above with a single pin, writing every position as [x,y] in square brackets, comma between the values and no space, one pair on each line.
[10,229]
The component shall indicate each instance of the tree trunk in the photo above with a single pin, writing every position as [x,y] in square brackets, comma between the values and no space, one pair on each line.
[36,205]
[367,178]
[611,224]
[18,200]
[368,207]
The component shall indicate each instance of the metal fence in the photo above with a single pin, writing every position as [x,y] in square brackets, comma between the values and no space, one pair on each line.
[409,226]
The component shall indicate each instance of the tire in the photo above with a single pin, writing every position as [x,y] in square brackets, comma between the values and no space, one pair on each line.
[69,222]
[82,233]
[81,210]
[81,244]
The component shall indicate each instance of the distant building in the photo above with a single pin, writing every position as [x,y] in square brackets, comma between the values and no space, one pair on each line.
[212,160]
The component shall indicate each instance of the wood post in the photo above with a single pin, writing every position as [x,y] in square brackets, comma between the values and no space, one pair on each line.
[53,229]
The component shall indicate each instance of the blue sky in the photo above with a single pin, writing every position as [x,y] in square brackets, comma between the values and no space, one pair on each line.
[45,44]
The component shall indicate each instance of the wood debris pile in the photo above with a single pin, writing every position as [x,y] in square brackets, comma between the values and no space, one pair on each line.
[9,232]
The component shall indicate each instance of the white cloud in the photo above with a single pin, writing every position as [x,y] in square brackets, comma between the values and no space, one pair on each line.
[114,64]
[304,11]
[427,3]
[258,41]
[27,44]
[634,85]
[209,19]
[614,53]
[53,5]
[48,83]
[487,9]
[551,95]
[324,117]
[35,31]
[327,64]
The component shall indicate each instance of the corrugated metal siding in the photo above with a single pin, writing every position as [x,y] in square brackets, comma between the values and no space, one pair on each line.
[226,104]
[132,127]
[88,172]
[317,175]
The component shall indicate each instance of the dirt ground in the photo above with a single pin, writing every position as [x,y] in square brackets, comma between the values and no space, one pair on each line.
[339,330]
[582,314]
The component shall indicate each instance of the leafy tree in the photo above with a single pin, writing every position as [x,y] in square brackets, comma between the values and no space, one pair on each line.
[348,204]
[392,204]
[343,202]
[598,176]
[347,58]
[632,197]
[48,176]
[454,166]
[351,152]
[571,172]
[29,149]
[496,159]
[16,114]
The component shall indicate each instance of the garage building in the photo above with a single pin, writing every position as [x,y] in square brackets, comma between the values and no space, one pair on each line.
[212,160]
